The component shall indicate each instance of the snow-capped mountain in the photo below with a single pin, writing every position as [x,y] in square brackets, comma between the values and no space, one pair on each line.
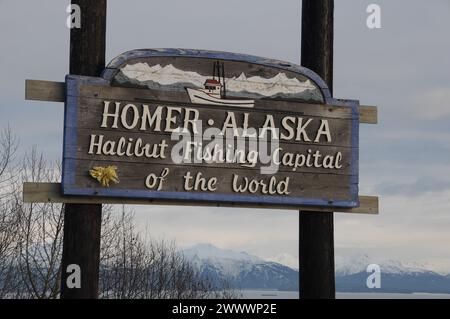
[241,270]
[227,262]
[158,77]
[211,252]
[244,271]
[358,263]
[285,259]
[396,276]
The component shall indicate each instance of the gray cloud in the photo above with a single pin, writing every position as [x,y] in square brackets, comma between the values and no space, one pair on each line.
[402,68]
[421,186]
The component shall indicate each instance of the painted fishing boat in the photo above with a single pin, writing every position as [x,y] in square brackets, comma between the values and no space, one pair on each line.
[214,92]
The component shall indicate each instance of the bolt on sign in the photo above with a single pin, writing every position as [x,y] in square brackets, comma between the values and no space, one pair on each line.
[210,127]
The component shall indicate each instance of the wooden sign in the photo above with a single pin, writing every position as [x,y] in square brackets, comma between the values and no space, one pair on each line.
[210,127]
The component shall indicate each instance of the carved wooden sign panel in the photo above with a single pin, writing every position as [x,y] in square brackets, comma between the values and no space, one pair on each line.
[202,126]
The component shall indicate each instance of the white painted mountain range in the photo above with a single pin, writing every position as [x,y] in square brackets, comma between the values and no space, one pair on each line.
[170,75]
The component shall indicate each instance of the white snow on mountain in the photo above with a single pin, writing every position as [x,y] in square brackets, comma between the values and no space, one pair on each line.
[209,251]
[169,75]
[243,271]
[358,263]
[285,259]
[229,262]
[352,265]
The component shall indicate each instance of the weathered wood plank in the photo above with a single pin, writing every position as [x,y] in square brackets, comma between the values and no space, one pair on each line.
[55,92]
[126,122]
[45,90]
[51,193]
[368,114]
[239,163]
[282,108]
[90,113]
[133,178]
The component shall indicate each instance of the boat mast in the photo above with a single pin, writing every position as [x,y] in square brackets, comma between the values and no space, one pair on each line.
[219,68]
[223,79]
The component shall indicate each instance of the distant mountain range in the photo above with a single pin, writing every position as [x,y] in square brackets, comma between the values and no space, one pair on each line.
[244,271]
[396,277]
[241,270]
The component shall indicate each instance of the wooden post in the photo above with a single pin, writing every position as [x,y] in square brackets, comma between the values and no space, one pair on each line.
[82,222]
[316,240]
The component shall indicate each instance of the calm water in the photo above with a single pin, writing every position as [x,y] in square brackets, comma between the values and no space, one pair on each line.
[274,294]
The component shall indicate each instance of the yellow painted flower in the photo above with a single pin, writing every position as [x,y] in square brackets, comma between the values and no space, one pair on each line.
[105,175]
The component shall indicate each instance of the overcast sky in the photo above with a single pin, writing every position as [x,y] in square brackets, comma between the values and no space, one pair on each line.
[403,68]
